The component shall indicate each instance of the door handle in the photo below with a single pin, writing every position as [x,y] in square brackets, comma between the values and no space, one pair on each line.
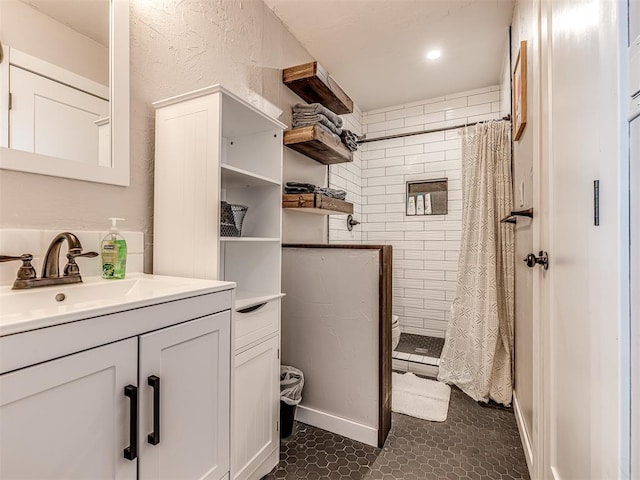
[541,259]
[131,452]
[154,437]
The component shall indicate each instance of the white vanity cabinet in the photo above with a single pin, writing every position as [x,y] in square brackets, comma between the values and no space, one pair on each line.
[256,409]
[189,364]
[154,405]
[68,418]
[212,146]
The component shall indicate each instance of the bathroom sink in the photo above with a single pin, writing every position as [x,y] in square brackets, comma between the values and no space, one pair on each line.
[40,307]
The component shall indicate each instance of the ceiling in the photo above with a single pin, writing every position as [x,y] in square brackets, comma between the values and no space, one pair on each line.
[88,17]
[375,49]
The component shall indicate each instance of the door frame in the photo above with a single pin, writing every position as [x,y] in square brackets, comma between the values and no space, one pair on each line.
[543,282]
[541,236]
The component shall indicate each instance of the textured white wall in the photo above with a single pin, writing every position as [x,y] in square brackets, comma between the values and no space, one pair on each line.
[425,247]
[176,46]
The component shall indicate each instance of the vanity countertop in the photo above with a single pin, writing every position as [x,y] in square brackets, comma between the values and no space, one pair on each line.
[25,310]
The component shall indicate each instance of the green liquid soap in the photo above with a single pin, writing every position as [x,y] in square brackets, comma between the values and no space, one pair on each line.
[114,258]
[114,253]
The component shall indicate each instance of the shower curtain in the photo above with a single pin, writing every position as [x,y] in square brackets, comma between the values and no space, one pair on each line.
[478,349]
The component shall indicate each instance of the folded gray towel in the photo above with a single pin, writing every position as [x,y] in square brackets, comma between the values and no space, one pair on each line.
[317,108]
[297,188]
[330,192]
[337,137]
[314,119]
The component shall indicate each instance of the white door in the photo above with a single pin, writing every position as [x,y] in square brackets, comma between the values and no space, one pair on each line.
[580,318]
[256,409]
[184,430]
[69,418]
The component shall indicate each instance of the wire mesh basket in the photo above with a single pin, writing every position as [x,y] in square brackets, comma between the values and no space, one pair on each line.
[231,218]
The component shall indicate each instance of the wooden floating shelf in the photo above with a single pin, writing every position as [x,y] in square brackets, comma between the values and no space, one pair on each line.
[316,143]
[316,203]
[313,84]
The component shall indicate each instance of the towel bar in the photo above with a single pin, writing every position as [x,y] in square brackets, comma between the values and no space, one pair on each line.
[519,213]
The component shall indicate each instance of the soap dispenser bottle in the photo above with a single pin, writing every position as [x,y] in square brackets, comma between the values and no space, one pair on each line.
[114,252]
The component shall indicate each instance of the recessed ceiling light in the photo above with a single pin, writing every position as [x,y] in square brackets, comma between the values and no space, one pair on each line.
[434,54]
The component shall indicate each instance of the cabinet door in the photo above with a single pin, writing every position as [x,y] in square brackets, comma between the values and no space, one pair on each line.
[256,409]
[69,418]
[192,364]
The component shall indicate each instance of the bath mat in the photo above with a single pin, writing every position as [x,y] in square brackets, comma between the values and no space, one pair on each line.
[419,397]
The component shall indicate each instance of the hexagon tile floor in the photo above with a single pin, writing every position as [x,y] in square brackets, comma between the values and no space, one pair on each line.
[475,442]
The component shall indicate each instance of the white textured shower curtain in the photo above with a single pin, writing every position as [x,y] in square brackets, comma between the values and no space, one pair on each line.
[478,349]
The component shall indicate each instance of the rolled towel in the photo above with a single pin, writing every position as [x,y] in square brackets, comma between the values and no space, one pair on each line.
[314,119]
[317,108]
[350,140]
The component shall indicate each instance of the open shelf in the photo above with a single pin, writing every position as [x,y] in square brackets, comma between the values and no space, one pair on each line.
[316,203]
[313,84]
[318,144]
[249,299]
[234,177]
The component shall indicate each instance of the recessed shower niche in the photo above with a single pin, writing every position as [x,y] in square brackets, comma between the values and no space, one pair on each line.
[427,197]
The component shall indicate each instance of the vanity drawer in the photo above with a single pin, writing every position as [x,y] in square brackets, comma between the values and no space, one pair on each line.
[256,324]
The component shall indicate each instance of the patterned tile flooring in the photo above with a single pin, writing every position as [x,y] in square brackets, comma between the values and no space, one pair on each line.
[420,345]
[475,442]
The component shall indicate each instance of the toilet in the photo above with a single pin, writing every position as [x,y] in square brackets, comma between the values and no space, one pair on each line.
[395,331]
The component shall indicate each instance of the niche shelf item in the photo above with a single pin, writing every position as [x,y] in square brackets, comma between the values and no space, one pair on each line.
[316,203]
[511,218]
[318,144]
[313,84]
[212,146]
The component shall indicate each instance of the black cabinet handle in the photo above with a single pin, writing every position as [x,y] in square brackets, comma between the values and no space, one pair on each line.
[154,437]
[131,452]
[253,308]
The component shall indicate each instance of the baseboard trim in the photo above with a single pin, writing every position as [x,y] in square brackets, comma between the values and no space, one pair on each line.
[524,434]
[338,425]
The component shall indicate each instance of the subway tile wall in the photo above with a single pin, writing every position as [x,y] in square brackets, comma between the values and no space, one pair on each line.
[425,247]
[348,177]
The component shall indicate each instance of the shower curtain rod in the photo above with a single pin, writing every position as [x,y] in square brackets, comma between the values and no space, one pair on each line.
[363,139]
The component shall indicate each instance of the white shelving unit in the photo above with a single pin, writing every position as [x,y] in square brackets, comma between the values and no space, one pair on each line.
[212,146]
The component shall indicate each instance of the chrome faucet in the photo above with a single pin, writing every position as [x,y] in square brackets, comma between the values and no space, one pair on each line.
[27,277]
